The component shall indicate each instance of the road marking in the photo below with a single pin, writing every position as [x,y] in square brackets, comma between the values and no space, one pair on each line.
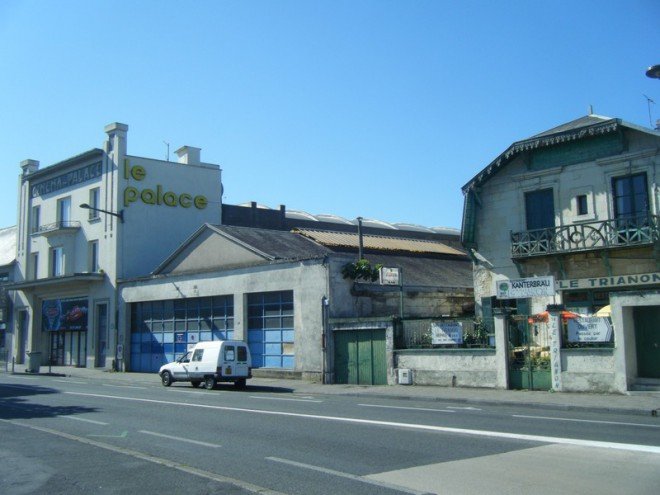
[180,439]
[70,381]
[407,408]
[470,408]
[150,458]
[123,386]
[86,420]
[350,476]
[283,398]
[443,429]
[585,421]
[123,434]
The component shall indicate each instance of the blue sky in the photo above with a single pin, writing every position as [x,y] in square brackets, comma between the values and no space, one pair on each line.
[380,109]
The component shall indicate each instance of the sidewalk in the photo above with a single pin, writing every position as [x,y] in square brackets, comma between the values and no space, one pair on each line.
[639,403]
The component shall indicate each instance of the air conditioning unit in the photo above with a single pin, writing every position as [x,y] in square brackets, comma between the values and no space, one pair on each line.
[405,376]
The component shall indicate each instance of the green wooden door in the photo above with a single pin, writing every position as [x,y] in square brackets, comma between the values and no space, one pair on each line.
[529,355]
[647,336]
[360,357]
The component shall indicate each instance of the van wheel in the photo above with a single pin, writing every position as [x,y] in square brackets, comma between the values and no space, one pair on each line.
[209,383]
[240,383]
[166,379]
[195,384]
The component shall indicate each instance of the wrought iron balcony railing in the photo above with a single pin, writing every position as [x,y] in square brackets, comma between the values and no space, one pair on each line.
[57,227]
[631,231]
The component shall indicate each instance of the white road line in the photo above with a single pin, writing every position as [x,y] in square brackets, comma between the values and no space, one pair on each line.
[546,418]
[283,398]
[469,408]
[123,386]
[150,458]
[443,429]
[407,408]
[86,420]
[181,439]
[70,381]
[350,476]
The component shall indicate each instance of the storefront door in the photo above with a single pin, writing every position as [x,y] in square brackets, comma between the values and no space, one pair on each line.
[647,336]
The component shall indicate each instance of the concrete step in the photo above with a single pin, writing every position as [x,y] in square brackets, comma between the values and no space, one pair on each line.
[646,385]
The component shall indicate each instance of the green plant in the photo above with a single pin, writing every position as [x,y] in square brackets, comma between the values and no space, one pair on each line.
[361,270]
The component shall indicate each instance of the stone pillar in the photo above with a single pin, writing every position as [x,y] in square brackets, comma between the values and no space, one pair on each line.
[501,348]
[554,327]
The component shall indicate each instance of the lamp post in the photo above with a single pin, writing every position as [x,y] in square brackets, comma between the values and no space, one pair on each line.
[119,214]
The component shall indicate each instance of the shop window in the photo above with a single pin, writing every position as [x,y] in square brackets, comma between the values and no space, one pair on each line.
[56,262]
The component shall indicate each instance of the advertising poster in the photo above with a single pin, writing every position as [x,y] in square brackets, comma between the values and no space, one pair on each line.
[67,315]
[447,333]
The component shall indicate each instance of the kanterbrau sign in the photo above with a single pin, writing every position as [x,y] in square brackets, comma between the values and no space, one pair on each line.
[525,287]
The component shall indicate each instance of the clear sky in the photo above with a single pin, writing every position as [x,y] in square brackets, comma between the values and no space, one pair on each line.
[380,109]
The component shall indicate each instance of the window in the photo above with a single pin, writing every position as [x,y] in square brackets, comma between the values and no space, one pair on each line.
[64,211]
[540,209]
[271,330]
[57,262]
[229,353]
[582,206]
[93,256]
[630,196]
[197,355]
[4,277]
[94,202]
[36,218]
[35,266]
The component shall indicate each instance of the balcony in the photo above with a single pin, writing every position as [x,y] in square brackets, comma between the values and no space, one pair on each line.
[637,230]
[57,228]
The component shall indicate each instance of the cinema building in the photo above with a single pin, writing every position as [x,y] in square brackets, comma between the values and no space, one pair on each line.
[88,222]
[578,203]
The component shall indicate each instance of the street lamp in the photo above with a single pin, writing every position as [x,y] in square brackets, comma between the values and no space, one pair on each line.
[653,72]
[119,214]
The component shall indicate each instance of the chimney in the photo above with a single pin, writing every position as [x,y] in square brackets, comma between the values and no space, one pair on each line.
[189,155]
[116,141]
[29,167]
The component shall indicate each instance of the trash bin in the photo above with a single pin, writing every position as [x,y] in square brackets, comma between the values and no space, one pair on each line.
[34,361]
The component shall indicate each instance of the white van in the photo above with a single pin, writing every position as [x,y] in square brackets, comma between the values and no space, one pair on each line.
[210,363]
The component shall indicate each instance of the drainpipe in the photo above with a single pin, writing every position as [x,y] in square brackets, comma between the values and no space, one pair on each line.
[361,246]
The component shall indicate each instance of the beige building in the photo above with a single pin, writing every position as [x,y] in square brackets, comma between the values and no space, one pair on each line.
[578,203]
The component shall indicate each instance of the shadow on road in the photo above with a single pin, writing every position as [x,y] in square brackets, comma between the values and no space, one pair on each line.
[15,403]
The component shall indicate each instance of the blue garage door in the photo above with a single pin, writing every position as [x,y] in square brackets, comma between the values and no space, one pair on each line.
[162,331]
[270,329]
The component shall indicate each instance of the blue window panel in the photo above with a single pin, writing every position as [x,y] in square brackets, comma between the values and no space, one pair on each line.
[146,337]
[158,337]
[273,349]
[256,348]
[169,357]
[217,335]
[180,348]
[156,348]
[230,334]
[287,335]
[255,336]
[135,362]
[193,337]
[288,362]
[136,337]
[168,337]
[145,362]
[157,360]
[168,348]
[273,361]
[257,360]
[145,348]
[205,336]
[273,336]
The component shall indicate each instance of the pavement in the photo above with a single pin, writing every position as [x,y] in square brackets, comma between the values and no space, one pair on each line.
[638,403]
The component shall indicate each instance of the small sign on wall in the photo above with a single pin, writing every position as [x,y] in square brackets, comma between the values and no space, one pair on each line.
[447,333]
[523,288]
[589,329]
[390,276]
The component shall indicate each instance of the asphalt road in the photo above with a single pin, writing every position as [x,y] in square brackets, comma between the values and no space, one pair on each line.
[69,435]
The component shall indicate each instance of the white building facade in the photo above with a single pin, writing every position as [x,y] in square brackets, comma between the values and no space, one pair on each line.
[578,203]
[88,222]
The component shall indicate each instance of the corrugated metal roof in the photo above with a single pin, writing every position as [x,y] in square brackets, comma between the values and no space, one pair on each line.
[7,245]
[376,242]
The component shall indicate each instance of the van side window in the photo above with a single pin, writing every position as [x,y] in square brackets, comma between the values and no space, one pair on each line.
[242,353]
[197,356]
[229,353]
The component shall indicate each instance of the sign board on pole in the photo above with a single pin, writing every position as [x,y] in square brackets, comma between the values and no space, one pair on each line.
[525,287]
[389,276]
